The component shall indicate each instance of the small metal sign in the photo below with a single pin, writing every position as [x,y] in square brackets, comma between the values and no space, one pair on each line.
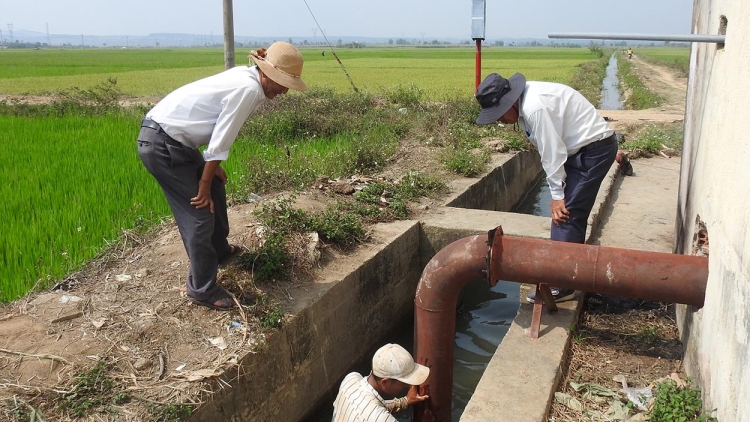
[478,13]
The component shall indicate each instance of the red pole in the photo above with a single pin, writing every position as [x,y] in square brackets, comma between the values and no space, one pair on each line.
[479,64]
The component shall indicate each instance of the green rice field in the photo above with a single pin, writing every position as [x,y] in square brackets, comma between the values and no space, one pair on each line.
[73,182]
[70,185]
[152,72]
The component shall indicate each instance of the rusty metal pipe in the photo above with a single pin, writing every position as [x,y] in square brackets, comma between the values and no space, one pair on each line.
[658,276]
[622,272]
[452,268]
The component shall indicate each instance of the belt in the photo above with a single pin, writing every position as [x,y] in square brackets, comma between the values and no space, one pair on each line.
[151,124]
[595,144]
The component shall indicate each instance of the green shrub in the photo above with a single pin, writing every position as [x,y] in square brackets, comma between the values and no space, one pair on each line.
[678,404]
[409,96]
[465,162]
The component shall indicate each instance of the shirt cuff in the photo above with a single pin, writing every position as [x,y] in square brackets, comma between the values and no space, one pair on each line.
[557,192]
[219,156]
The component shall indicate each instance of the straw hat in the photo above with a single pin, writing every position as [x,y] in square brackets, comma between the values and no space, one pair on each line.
[283,64]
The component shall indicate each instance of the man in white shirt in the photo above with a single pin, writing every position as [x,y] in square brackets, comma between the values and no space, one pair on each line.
[360,399]
[576,145]
[209,112]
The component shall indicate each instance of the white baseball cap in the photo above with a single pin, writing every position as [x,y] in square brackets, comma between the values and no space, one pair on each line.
[393,361]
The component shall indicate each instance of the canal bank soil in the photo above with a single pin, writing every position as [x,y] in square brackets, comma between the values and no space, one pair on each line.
[129,308]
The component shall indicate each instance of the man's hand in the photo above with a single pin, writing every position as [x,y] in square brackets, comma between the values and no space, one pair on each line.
[413,397]
[559,213]
[203,199]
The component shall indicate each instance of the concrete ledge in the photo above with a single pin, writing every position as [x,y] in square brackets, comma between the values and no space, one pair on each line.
[516,384]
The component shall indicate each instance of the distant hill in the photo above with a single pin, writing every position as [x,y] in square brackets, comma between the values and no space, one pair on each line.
[204,40]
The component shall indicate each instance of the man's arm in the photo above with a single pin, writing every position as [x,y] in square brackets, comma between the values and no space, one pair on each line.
[553,153]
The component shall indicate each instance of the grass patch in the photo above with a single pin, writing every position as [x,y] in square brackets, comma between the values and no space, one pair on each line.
[92,391]
[653,138]
[174,412]
[678,404]
[269,313]
[640,97]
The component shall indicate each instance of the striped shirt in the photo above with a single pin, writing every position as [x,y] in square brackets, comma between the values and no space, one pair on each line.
[357,401]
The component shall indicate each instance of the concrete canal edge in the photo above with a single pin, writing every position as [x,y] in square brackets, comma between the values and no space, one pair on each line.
[356,304]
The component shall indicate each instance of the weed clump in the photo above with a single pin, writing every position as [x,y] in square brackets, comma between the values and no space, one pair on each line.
[173,412]
[93,390]
[652,139]
[678,404]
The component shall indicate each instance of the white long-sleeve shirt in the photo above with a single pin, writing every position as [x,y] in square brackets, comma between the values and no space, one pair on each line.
[211,111]
[559,121]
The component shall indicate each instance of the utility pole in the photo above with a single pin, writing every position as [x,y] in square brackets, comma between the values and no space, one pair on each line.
[228,35]
[2,41]
[49,41]
[127,44]
[10,31]
[315,35]
[82,41]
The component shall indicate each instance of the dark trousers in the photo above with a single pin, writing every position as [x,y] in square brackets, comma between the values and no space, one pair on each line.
[178,169]
[585,171]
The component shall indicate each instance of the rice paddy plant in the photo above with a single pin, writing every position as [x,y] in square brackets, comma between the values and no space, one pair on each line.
[72,184]
[156,72]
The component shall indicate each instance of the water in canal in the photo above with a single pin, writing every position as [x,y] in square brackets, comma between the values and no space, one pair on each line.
[610,91]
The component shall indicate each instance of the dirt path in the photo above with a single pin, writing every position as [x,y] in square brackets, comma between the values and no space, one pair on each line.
[667,84]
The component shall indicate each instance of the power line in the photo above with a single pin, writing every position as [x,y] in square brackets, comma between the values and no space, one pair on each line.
[331,47]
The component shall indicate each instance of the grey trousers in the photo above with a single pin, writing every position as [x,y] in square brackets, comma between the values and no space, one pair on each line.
[585,171]
[178,169]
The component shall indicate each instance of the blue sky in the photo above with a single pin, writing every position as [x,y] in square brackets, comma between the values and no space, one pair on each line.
[425,19]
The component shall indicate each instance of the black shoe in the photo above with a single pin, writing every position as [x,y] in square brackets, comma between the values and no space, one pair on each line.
[558,294]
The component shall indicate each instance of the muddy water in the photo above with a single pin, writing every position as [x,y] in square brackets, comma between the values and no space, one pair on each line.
[610,92]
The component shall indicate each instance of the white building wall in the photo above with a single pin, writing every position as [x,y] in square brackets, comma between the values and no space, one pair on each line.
[715,189]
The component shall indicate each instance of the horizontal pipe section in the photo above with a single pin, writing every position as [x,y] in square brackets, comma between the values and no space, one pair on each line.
[657,276]
[456,265]
[643,37]
[611,271]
